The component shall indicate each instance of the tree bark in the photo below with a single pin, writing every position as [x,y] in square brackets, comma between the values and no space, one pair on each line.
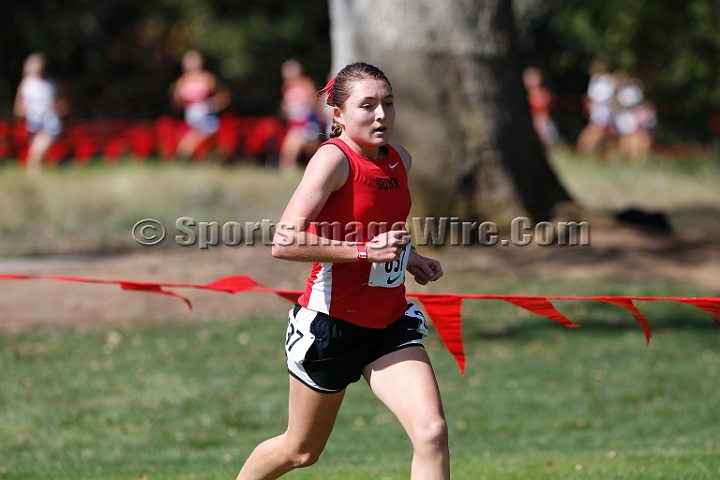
[462,108]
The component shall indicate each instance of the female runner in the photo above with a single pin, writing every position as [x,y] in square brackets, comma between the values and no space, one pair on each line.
[348,217]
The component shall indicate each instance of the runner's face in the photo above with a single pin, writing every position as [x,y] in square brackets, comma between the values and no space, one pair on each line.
[368,115]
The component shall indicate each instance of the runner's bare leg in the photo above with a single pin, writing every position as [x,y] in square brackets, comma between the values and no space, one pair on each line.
[311,417]
[404,381]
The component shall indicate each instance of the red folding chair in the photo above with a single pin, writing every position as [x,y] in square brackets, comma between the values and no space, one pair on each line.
[229,135]
[6,144]
[167,131]
[20,138]
[84,142]
[59,151]
[264,136]
[142,140]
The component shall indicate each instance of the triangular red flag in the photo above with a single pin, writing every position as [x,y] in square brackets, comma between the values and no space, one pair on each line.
[444,312]
[233,284]
[628,305]
[542,307]
[711,307]
[153,288]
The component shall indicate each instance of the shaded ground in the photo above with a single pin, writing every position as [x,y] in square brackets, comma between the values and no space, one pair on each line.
[689,257]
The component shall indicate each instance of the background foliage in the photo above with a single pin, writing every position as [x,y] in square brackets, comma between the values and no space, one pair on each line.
[117,57]
[671,46]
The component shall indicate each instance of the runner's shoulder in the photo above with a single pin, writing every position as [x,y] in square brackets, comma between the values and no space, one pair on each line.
[404,155]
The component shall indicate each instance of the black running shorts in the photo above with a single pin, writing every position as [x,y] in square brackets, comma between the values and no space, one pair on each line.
[328,354]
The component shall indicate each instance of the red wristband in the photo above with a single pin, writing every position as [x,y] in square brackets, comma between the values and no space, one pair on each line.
[361,252]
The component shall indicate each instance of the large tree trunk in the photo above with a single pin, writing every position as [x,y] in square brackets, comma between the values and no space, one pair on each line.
[462,108]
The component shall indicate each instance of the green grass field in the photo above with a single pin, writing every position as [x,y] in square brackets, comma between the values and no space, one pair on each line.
[190,401]
[538,401]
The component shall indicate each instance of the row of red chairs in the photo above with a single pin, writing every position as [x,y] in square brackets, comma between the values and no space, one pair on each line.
[83,140]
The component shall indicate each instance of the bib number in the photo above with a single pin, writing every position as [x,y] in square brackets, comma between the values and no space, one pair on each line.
[390,274]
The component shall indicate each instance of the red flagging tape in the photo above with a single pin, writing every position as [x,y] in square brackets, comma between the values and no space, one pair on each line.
[442,308]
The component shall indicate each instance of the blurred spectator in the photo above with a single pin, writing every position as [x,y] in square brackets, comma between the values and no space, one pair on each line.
[301,110]
[40,102]
[202,96]
[634,118]
[599,107]
[540,99]
[618,113]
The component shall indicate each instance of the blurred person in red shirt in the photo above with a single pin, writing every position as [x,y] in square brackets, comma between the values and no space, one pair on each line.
[300,108]
[540,100]
[202,96]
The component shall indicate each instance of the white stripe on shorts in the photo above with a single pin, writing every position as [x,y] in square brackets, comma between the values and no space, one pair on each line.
[411,342]
[297,370]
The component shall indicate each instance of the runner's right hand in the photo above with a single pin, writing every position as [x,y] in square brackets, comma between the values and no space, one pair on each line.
[387,246]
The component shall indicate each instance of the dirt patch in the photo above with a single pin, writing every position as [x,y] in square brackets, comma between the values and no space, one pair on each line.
[621,253]
[42,303]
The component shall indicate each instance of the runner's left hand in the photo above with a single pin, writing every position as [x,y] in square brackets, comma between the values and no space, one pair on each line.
[423,269]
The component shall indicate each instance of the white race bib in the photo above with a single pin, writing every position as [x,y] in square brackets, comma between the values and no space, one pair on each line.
[390,274]
[299,339]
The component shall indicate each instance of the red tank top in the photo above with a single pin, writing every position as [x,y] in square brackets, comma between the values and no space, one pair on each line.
[196,88]
[373,199]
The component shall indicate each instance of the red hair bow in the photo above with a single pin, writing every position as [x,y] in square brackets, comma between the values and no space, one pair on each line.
[327,90]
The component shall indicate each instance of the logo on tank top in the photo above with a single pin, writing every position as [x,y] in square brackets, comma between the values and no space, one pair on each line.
[388,183]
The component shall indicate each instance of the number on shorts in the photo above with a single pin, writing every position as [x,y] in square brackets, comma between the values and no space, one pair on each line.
[292,331]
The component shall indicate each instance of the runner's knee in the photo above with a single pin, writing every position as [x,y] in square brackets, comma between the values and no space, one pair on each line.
[306,457]
[302,454]
[431,435]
